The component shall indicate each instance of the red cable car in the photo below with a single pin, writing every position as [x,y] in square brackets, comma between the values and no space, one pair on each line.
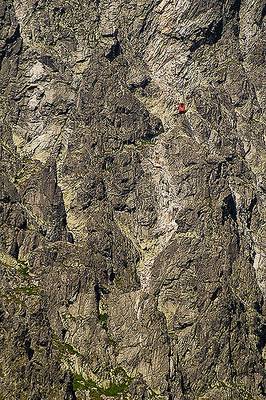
[181,108]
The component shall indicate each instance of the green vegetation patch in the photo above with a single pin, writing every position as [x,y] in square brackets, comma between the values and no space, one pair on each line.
[64,348]
[115,390]
[146,142]
[23,269]
[118,387]
[80,383]
[28,290]
[103,320]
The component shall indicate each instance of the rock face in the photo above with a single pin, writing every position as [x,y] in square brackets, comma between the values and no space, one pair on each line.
[132,258]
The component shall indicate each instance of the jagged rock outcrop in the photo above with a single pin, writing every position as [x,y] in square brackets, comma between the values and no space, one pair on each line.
[132,239]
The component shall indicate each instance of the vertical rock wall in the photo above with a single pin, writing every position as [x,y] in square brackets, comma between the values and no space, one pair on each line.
[132,253]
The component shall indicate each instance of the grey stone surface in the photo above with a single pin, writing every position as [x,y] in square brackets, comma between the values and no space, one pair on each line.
[132,238]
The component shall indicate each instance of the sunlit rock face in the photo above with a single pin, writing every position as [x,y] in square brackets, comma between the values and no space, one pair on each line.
[132,239]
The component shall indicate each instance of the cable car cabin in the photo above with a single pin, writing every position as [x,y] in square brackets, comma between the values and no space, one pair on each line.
[181,108]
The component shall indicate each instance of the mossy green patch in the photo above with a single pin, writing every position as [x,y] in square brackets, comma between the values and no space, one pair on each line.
[63,348]
[28,290]
[115,390]
[146,142]
[80,383]
[111,341]
[117,387]
[23,269]
[103,320]
[70,349]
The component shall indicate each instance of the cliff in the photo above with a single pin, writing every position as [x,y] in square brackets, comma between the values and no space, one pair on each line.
[132,239]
